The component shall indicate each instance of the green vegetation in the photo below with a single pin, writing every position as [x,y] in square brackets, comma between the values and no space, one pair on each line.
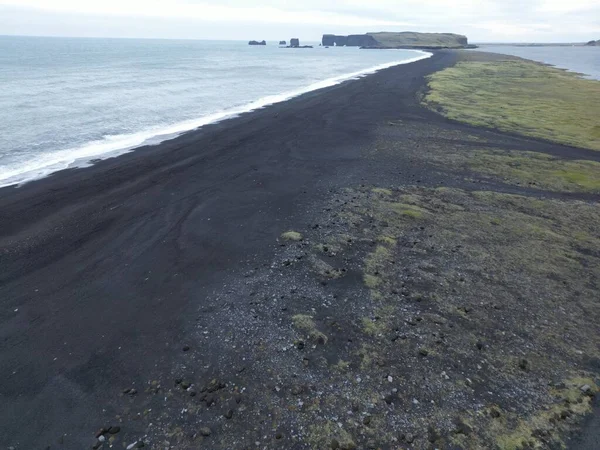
[292,236]
[538,169]
[521,97]
[306,323]
[412,39]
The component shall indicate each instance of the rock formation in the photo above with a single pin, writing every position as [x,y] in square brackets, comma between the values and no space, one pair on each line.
[397,40]
[257,43]
[594,43]
[294,43]
[282,43]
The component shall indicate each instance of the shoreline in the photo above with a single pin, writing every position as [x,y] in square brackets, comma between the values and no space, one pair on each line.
[164,271]
[100,150]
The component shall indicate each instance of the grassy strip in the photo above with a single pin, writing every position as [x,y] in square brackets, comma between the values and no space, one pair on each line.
[521,97]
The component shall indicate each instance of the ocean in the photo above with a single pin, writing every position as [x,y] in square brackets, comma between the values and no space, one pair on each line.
[65,101]
[580,59]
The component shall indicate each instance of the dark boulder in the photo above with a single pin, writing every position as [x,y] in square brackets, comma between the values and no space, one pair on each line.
[257,43]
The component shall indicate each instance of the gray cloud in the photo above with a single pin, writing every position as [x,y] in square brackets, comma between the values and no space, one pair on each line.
[483,20]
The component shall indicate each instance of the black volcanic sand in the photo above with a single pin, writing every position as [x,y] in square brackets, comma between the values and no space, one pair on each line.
[420,305]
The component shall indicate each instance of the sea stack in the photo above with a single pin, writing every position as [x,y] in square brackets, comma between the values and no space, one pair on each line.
[257,43]
[294,43]
[282,43]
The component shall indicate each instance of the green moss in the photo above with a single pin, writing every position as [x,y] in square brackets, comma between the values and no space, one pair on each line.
[306,323]
[382,191]
[406,210]
[538,170]
[292,236]
[521,97]
[371,281]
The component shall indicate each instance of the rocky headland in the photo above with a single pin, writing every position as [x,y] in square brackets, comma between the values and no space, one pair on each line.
[398,40]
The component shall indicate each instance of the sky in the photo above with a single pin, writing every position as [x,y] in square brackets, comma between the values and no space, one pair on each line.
[480,20]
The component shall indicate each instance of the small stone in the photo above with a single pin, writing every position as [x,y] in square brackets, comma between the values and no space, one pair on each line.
[101,438]
[210,400]
[423,352]
[229,414]
[140,444]
[495,413]
[390,379]
[114,430]
[479,345]
[178,380]
[205,431]
[524,365]
[367,420]
[300,345]
[296,390]
[586,389]
[186,348]
[279,436]
[410,438]
[185,385]
[335,444]
[238,398]
[193,393]
[463,428]
[389,399]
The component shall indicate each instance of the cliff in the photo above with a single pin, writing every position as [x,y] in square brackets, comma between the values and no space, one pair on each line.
[398,40]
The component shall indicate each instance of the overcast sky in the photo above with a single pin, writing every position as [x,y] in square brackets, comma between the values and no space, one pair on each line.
[481,21]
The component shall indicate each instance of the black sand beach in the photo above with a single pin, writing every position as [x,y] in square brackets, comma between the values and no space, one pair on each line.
[166,267]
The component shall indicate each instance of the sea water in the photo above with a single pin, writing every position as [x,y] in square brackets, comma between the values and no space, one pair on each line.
[65,101]
[575,58]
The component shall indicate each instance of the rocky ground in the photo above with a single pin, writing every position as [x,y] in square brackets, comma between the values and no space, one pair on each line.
[416,294]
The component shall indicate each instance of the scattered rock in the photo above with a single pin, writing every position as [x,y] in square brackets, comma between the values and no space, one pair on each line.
[205,431]
[229,414]
[297,390]
[114,430]
[423,352]
[367,420]
[524,365]
[463,428]
[586,389]
[186,348]
[480,345]
[335,444]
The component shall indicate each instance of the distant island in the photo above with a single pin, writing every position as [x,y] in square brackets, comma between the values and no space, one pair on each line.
[407,39]
[594,43]
[257,43]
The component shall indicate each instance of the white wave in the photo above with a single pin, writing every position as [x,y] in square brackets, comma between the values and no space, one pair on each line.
[115,145]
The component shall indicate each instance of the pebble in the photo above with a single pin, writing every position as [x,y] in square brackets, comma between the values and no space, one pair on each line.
[101,438]
[114,430]
[186,348]
[586,389]
[423,352]
[297,390]
[335,444]
[390,379]
[205,431]
[229,414]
